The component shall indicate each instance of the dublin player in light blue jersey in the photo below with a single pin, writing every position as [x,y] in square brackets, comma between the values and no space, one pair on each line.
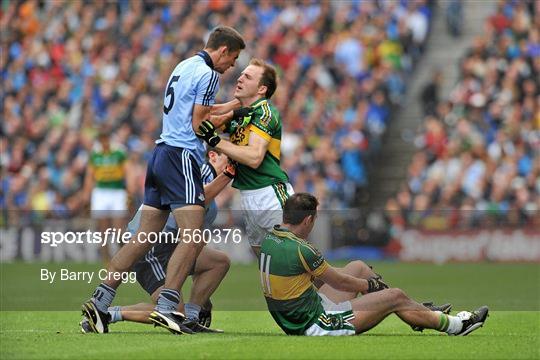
[208,271]
[173,178]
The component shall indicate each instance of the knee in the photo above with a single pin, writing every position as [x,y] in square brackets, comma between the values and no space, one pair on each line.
[357,268]
[223,261]
[397,294]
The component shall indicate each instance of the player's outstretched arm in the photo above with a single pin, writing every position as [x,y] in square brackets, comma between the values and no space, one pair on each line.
[200,113]
[242,114]
[343,282]
[211,190]
[251,155]
[220,109]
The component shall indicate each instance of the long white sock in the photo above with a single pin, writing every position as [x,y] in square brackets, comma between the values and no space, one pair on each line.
[450,324]
[455,324]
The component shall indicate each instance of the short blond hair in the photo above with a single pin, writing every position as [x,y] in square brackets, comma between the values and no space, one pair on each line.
[268,78]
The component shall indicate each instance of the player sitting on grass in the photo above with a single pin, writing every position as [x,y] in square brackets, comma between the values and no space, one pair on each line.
[209,269]
[288,265]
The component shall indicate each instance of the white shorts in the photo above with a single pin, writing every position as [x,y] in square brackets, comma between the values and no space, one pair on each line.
[329,305]
[263,208]
[334,321]
[108,203]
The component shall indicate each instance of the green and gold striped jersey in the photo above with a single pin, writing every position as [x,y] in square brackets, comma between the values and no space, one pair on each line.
[287,266]
[108,168]
[266,122]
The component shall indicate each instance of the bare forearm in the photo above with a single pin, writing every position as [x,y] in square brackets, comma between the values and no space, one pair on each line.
[211,190]
[219,109]
[243,154]
[220,120]
[350,284]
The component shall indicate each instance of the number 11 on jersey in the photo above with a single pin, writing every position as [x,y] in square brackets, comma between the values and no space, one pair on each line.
[264,267]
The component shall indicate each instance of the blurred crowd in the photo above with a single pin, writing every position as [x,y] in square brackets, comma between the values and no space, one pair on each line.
[478,162]
[70,69]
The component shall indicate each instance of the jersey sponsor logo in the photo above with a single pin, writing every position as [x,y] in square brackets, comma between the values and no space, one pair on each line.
[239,137]
[275,238]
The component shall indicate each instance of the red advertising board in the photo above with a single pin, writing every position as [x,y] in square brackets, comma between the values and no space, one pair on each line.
[516,245]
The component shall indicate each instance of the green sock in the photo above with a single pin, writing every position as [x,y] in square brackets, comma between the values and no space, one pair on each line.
[443,322]
[449,324]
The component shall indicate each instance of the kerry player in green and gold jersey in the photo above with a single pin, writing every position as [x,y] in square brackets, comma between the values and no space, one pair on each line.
[105,186]
[288,265]
[255,143]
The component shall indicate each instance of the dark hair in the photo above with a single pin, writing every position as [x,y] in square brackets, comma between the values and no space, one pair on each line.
[298,207]
[268,77]
[225,36]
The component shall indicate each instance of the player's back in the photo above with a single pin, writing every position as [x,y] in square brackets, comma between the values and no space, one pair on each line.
[285,266]
[192,82]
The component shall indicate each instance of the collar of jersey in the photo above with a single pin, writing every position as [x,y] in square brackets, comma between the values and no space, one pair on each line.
[258,102]
[281,231]
[207,59]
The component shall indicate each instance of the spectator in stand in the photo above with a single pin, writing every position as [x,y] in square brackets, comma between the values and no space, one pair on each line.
[479,155]
[429,95]
[71,67]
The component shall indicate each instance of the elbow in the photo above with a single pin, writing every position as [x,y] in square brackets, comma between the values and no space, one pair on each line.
[256,162]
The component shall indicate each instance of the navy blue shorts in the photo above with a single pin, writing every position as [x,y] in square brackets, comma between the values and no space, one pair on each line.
[173,179]
[151,270]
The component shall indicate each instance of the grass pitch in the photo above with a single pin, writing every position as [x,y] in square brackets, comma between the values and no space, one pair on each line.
[39,320]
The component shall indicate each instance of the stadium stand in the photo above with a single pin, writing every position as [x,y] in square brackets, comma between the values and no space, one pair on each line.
[478,160]
[73,68]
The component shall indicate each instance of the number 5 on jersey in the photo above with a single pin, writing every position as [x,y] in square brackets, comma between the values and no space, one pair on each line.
[170,91]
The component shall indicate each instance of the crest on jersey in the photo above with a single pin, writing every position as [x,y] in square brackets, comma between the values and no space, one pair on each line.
[265,120]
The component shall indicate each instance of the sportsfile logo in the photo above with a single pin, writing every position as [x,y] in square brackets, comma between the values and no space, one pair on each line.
[117,236]
[110,236]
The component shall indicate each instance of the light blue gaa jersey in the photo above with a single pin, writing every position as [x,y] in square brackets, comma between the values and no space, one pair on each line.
[193,81]
[208,175]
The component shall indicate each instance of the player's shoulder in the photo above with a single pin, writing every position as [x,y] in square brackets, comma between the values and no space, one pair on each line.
[195,65]
[308,249]
[263,106]
[266,114]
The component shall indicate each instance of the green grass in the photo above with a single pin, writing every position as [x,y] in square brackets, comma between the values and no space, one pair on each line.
[511,332]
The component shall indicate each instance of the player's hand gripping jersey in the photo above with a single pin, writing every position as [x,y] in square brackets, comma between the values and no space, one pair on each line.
[266,122]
